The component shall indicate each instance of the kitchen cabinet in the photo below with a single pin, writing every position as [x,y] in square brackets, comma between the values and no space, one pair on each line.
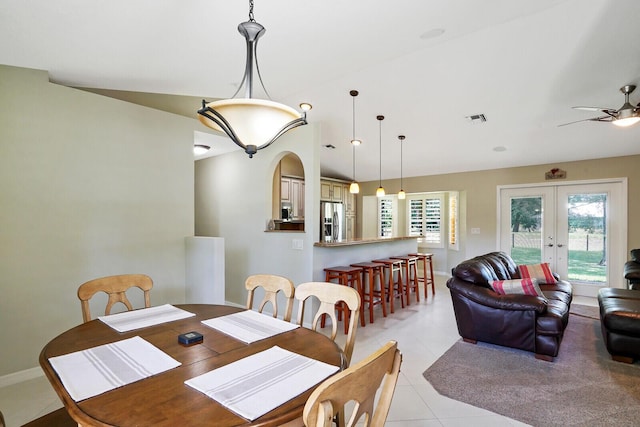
[285,190]
[350,201]
[350,223]
[292,192]
[331,191]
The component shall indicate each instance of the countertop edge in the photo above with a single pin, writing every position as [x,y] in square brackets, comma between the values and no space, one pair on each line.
[355,242]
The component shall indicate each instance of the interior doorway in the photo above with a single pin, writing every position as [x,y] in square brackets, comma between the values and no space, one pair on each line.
[579,228]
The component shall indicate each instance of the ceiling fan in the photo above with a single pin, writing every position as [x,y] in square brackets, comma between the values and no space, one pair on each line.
[626,115]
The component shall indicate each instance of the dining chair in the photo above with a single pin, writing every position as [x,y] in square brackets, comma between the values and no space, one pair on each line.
[271,284]
[330,294]
[58,418]
[115,287]
[1,419]
[358,384]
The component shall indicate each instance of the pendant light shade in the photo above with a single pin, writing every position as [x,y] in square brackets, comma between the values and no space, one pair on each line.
[380,191]
[252,124]
[354,188]
[401,194]
[199,149]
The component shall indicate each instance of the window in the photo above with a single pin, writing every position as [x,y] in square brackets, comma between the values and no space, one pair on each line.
[425,218]
[453,220]
[385,226]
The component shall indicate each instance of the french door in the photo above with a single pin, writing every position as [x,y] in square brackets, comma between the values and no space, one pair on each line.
[578,228]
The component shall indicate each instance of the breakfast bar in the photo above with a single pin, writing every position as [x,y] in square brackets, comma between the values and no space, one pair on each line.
[347,252]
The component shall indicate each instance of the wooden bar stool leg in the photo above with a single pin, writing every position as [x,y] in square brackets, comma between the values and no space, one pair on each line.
[399,283]
[390,289]
[407,288]
[369,273]
[383,294]
[425,278]
[431,278]
[413,267]
[360,288]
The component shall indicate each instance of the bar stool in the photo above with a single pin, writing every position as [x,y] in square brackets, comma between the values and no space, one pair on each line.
[426,258]
[395,288]
[347,276]
[372,297]
[411,275]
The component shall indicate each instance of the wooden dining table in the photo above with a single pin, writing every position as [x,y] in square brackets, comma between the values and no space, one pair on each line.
[164,399]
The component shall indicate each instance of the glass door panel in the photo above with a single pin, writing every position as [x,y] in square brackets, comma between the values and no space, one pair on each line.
[587,254]
[526,232]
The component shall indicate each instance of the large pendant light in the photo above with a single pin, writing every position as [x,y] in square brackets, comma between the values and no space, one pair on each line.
[354,188]
[401,194]
[380,191]
[252,124]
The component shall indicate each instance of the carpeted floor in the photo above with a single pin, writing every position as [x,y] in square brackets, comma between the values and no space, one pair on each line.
[582,387]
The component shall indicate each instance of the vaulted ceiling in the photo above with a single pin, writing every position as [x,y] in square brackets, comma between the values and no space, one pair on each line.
[425,65]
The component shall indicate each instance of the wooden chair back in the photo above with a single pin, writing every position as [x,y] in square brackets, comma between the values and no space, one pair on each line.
[329,294]
[271,284]
[115,287]
[358,383]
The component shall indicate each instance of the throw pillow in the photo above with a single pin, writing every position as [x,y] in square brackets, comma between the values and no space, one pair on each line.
[517,286]
[542,272]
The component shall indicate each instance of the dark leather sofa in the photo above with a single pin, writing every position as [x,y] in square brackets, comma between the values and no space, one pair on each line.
[525,322]
[632,270]
[620,322]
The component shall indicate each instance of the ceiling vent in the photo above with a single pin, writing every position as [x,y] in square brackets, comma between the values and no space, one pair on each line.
[477,118]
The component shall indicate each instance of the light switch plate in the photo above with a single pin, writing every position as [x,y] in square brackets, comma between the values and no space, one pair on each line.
[475,231]
[296,244]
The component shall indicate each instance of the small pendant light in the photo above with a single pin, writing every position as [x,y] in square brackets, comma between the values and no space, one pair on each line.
[380,191]
[354,188]
[401,194]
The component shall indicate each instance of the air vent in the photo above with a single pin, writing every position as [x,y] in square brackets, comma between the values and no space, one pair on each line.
[477,118]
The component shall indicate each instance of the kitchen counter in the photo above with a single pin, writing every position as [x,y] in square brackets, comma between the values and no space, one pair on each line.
[354,242]
[289,225]
[347,252]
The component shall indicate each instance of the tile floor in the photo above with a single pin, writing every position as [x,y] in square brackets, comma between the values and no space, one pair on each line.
[424,331]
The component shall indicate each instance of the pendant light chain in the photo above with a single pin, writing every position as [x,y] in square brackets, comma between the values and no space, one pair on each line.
[401,144]
[251,18]
[380,119]
[354,93]
[401,194]
[380,191]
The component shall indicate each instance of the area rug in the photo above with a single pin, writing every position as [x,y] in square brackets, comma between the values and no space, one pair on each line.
[582,387]
[585,311]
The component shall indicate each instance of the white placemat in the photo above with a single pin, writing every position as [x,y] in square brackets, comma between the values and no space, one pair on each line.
[90,372]
[249,326]
[136,319]
[257,384]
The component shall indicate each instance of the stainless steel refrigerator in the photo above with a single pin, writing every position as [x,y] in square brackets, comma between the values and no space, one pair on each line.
[332,226]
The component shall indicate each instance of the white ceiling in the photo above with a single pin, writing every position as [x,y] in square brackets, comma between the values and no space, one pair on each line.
[523,64]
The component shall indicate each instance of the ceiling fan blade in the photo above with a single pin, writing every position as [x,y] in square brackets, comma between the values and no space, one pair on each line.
[592,119]
[605,110]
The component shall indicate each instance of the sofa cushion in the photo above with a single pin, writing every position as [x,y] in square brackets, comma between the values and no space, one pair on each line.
[541,271]
[517,286]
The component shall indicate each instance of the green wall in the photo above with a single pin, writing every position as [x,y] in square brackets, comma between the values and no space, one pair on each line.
[89,186]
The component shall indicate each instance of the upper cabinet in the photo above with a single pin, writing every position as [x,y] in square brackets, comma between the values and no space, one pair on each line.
[332,191]
[349,201]
[292,193]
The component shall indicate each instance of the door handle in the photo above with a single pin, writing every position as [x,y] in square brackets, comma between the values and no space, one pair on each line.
[551,245]
[560,245]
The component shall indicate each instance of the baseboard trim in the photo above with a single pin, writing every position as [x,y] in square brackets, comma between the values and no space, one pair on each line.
[20,376]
